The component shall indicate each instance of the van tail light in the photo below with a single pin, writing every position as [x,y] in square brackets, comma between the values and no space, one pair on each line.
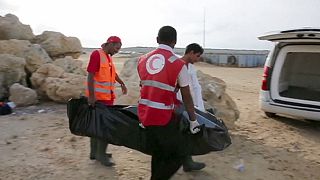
[266,74]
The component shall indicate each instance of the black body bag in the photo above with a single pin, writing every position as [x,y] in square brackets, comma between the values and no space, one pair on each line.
[119,125]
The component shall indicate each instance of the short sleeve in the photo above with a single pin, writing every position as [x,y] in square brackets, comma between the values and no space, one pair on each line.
[94,62]
[183,77]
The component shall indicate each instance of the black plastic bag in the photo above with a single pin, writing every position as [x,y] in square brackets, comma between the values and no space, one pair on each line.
[5,109]
[119,125]
[213,136]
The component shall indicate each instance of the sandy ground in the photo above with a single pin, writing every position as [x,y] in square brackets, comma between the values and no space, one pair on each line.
[38,144]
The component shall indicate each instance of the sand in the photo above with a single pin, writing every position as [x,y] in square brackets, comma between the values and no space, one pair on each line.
[38,144]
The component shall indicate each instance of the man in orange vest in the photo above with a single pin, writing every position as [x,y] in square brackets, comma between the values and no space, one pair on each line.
[161,73]
[102,77]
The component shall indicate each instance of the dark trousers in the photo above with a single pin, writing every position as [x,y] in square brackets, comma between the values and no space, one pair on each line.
[168,150]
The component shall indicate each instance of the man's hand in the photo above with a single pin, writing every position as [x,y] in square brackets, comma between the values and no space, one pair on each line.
[194,126]
[91,101]
[124,89]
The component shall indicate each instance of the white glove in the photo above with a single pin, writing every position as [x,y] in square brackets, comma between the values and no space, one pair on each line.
[142,126]
[194,127]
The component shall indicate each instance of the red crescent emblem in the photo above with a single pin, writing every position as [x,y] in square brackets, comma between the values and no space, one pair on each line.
[151,63]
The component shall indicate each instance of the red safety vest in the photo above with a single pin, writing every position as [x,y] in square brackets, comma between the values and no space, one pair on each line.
[158,73]
[104,79]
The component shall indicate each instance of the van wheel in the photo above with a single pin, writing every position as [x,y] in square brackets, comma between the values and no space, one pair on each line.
[270,115]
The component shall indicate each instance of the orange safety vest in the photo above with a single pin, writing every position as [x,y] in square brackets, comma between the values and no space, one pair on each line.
[158,72]
[104,79]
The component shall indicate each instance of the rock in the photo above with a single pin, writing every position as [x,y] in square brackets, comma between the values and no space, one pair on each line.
[130,76]
[12,28]
[51,81]
[22,96]
[38,78]
[215,96]
[61,90]
[11,71]
[34,54]
[70,65]
[58,45]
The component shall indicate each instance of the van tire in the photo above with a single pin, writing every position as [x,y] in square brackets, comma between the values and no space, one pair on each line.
[270,115]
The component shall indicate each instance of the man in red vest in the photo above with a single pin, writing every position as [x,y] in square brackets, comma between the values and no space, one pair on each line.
[102,77]
[161,73]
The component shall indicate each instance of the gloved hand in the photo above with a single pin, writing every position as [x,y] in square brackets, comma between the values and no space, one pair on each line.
[194,127]
[142,126]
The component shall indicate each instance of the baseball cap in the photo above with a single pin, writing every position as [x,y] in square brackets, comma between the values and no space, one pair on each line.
[113,39]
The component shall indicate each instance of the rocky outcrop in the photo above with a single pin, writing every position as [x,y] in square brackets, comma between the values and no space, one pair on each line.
[62,89]
[22,96]
[47,70]
[11,71]
[51,81]
[214,96]
[130,76]
[34,54]
[12,28]
[70,65]
[213,90]
[26,59]
[58,45]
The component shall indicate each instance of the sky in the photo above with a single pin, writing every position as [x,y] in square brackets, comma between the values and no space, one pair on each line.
[218,24]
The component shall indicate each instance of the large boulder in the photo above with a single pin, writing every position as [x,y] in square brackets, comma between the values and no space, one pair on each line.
[130,76]
[11,71]
[58,45]
[62,89]
[53,82]
[70,65]
[39,77]
[12,28]
[214,96]
[22,96]
[34,54]
[213,90]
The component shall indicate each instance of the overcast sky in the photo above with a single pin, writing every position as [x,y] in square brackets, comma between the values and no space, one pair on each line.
[229,24]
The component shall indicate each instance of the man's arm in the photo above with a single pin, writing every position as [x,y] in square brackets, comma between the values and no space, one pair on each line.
[92,98]
[183,81]
[123,86]
[196,87]
[93,67]
[188,103]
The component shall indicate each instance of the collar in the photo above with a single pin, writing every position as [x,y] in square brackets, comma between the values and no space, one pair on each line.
[109,58]
[166,47]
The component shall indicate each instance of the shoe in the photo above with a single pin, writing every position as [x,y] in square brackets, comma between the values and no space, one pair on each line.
[93,156]
[190,165]
[93,149]
[101,154]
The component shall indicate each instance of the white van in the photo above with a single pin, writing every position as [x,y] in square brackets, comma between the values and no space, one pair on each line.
[291,79]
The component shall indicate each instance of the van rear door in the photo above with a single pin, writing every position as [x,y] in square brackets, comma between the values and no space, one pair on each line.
[294,35]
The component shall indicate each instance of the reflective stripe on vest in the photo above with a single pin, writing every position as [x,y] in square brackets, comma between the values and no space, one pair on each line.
[105,87]
[155,105]
[173,58]
[158,84]
[107,91]
[104,83]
